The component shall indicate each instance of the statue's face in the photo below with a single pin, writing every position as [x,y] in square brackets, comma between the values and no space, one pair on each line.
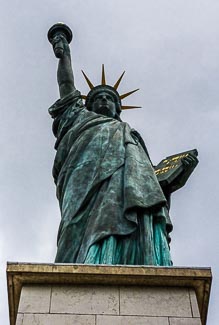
[104,104]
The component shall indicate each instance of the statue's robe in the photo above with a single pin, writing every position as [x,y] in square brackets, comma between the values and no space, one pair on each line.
[112,207]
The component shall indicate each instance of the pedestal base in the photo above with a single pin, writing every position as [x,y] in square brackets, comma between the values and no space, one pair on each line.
[53,294]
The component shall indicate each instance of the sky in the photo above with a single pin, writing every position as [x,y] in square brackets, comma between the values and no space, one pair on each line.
[170,50]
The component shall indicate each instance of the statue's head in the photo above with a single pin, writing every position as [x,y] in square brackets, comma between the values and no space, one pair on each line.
[105,99]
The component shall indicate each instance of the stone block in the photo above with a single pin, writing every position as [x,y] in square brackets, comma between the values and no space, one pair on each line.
[57,319]
[144,290]
[155,301]
[35,299]
[85,299]
[194,303]
[131,320]
[19,320]
[185,321]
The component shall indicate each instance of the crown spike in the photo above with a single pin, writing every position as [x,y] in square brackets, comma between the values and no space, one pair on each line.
[128,94]
[103,81]
[129,107]
[88,81]
[118,81]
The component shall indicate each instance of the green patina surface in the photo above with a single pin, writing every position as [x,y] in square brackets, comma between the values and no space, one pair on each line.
[113,209]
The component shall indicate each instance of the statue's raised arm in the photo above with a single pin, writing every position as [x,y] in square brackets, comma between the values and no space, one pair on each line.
[60,36]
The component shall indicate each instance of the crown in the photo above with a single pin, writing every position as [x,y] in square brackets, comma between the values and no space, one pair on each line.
[112,89]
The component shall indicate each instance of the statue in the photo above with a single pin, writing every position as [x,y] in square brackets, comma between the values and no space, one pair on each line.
[113,208]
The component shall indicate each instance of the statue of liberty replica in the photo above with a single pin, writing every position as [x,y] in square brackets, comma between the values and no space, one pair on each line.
[114,203]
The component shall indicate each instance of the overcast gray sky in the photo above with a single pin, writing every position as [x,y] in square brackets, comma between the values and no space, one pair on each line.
[170,50]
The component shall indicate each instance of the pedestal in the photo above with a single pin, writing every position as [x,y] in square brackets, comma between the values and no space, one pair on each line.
[66,294]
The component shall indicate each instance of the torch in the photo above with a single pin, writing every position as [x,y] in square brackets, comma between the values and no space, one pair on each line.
[53,36]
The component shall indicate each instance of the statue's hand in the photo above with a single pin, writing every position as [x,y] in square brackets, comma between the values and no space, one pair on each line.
[60,46]
[189,164]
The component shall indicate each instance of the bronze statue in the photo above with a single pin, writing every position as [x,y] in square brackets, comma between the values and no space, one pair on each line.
[113,208]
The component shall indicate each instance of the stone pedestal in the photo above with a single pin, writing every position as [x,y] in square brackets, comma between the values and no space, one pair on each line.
[66,294]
